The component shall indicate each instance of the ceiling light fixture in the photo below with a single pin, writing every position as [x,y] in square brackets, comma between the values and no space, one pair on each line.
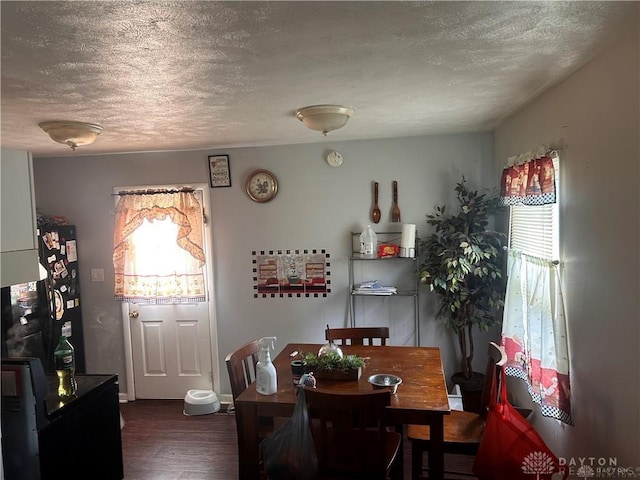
[74,134]
[324,118]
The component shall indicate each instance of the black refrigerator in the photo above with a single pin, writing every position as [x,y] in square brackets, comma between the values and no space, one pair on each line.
[35,314]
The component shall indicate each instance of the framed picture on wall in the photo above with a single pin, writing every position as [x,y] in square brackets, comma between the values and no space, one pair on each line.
[219,172]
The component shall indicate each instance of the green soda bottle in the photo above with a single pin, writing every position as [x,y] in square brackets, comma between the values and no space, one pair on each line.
[65,368]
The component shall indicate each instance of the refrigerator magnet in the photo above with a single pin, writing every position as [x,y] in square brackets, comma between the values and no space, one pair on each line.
[59,304]
[72,253]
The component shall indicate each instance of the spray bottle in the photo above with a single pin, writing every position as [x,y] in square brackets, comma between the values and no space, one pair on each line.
[266,378]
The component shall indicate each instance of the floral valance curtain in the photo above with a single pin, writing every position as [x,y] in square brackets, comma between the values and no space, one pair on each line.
[534,333]
[529,179]
[166,280]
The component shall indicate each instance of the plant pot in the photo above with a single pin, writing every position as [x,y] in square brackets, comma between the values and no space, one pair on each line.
[471,389]
[353,374]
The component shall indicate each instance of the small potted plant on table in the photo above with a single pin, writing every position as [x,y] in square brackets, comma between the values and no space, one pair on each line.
[333,366]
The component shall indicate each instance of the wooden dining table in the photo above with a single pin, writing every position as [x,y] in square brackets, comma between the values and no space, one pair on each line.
[420,399]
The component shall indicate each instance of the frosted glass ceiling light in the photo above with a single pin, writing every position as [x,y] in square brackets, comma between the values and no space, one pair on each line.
[324,118]
[74,134]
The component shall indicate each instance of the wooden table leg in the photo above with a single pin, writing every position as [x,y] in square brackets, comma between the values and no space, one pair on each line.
[248,448]
[436,448]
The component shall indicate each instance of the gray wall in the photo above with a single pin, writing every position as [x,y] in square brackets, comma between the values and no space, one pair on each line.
[594,116]
[317,207]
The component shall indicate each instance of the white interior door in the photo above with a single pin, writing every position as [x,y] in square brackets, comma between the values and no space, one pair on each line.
[170,349]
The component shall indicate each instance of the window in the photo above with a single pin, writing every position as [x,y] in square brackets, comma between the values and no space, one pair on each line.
[534,325]
[158,253]
[534,229]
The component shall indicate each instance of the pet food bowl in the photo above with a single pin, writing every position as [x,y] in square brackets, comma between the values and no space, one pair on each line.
[385,380]
[200,402]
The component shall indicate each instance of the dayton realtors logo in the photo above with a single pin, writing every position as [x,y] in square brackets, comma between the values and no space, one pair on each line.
[538,463]
[596,467]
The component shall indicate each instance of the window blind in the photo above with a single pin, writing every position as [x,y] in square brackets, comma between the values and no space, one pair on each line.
[533,230]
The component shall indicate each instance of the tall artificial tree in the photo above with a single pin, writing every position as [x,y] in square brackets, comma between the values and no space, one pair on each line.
[463,262]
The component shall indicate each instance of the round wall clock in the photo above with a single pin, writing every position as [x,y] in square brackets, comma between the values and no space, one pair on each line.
[261,186]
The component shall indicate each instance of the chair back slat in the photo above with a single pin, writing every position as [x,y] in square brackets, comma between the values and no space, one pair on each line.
[358,335]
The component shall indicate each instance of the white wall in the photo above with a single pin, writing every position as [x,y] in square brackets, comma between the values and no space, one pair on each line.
[317,207]
[594,116]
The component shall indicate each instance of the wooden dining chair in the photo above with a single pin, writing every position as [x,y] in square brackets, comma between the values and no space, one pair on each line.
[350,434]
[241,365]
[462,430]
[358,335]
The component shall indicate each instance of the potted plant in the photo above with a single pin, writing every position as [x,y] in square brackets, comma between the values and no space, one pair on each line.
[333,366]
[463,263]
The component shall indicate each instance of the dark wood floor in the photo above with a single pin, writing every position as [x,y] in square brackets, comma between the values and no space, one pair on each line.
[160,443]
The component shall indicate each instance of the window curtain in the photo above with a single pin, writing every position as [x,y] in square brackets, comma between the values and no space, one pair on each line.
[184,284]
[534,333]
[529,179]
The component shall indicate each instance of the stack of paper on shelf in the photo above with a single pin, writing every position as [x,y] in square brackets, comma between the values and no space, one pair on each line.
[373,288]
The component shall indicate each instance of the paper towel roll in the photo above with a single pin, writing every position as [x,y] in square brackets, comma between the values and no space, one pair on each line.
[408,236]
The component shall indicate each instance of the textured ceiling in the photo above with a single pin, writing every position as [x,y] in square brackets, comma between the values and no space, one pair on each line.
[202,75]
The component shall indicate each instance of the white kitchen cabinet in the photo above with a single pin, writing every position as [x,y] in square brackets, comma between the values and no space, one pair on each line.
[18,242]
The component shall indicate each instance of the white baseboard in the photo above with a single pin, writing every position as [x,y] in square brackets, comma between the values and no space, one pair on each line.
[123,397]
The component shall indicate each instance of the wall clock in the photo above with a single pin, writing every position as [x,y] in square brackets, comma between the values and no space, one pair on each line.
[261,186]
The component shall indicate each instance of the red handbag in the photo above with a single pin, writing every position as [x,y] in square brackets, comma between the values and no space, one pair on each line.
[510,448]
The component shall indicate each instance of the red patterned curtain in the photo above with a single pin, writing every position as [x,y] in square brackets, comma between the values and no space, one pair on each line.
[528,182]
[165,267]
[534,333]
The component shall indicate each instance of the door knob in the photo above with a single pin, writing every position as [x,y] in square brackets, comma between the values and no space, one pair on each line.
[134,314]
